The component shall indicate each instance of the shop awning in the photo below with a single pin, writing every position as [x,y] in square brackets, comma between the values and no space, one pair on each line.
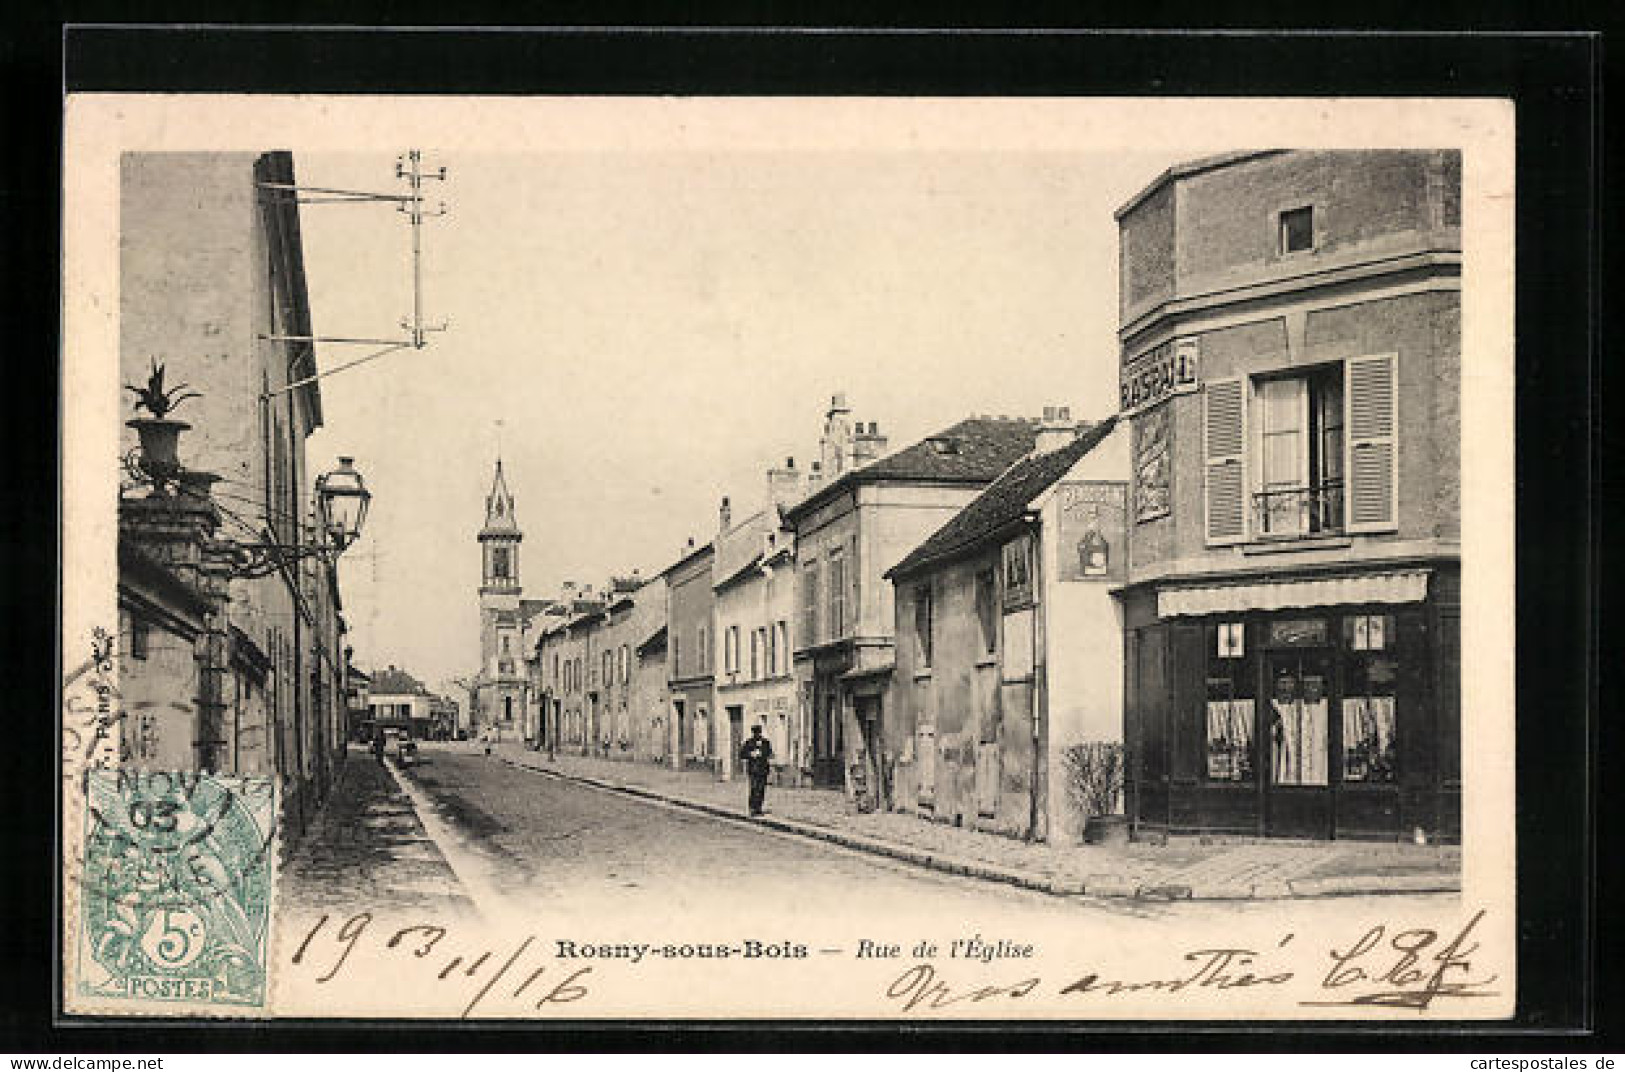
[1404,586]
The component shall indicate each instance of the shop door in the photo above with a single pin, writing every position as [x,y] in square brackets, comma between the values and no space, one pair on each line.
[736,738]
[827,751]
[1297,743]
[874,770]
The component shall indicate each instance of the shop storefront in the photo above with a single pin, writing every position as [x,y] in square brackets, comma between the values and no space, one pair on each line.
[1322,706]
[825,697]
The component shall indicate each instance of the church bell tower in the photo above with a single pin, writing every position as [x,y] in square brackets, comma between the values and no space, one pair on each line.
[500,702]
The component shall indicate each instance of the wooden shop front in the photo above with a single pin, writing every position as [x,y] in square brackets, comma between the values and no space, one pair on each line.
[1325,706]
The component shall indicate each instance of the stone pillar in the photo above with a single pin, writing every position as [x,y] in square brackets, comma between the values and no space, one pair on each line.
[176,530]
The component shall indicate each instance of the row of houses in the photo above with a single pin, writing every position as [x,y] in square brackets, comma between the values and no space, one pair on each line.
[1231,606]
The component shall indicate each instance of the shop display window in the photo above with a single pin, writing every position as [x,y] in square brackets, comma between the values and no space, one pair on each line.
[1230,704]
[1369,716]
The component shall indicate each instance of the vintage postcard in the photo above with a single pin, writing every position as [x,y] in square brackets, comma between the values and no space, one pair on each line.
[797,559]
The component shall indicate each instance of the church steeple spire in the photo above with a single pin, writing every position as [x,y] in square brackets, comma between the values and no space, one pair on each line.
[499,515]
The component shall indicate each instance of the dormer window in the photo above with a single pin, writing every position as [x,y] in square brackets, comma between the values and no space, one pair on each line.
[944,445]
[1297,230]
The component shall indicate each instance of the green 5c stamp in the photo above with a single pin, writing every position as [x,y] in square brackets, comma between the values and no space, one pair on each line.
[175,897]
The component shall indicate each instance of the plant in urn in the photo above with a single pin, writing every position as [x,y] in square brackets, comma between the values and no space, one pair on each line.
[159,434]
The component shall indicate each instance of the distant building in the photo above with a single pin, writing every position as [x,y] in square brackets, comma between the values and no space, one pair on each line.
[397,700]
[500,685]
[443,715]
[1008,686]
[357,705]
[865,511]
[755,602]
[690,655]
[1290,336]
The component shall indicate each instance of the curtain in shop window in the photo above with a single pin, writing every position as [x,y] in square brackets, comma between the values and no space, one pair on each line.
[1299,742]
[1368,738]
[1230,739]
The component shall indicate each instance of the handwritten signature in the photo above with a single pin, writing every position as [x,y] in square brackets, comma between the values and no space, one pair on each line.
[1386,967]
[421,942]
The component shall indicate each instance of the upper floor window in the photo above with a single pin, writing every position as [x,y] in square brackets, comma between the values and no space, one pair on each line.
[140,635]
[781,648]
[837,595]
[499,563]
[809,603]
[1299,488]
[626,664]
[987,609]
[730,650]
[1305,454]
[703,657]
[1297,230]
[922,627]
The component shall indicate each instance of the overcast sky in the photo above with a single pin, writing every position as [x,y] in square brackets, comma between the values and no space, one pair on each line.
[655,328]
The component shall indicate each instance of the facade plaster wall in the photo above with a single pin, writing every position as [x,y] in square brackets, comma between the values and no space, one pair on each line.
[201,283]
[160,694]
[1083,656]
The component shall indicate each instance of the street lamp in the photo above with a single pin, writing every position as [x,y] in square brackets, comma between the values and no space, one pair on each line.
[341,499]
[341,509]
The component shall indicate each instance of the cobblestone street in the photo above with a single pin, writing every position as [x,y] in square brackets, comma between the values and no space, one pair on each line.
[462,831]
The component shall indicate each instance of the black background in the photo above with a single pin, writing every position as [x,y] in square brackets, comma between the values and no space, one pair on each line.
[1555,80]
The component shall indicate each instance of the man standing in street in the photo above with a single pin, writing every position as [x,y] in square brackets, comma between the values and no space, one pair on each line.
[757,755]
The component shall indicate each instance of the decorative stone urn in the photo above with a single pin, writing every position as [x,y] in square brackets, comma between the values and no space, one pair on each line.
[160,439]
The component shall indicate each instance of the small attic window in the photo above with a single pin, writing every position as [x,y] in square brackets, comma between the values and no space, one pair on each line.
[1298,230]
[944,445]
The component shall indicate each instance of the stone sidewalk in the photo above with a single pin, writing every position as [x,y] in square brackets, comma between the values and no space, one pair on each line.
[368,848]
[1185,868]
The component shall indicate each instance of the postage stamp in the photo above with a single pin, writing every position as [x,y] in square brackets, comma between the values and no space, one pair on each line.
[175,898]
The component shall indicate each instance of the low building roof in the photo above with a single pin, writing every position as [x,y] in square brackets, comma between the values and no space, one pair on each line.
[1003,503]
[395,682]
[973,451]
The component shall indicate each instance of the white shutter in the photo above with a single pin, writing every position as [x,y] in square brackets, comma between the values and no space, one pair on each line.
[1224,446]
[1371,425]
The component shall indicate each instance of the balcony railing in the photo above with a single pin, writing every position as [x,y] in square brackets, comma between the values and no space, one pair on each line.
[1287,512]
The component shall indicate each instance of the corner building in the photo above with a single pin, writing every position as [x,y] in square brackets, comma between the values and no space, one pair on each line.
[1291,366]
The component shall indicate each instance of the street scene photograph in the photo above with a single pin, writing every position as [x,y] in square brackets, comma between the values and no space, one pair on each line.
[687,558]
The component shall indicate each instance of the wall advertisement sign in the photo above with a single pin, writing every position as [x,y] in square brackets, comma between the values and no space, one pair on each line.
[1174,367]
[1093,530]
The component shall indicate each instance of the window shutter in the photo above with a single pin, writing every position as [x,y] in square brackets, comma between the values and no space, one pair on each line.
[1224,440]
[854,615]
[1372,427]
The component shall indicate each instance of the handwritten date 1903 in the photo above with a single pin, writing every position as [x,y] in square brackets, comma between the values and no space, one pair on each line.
[421,939]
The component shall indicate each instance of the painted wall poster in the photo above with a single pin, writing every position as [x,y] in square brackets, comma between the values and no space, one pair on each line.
[1152,484]
[1093,530]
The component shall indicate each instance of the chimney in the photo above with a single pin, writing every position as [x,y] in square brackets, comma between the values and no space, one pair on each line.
[868,444]
[1055,430]
[835,446]
[725,515]
[786,484]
